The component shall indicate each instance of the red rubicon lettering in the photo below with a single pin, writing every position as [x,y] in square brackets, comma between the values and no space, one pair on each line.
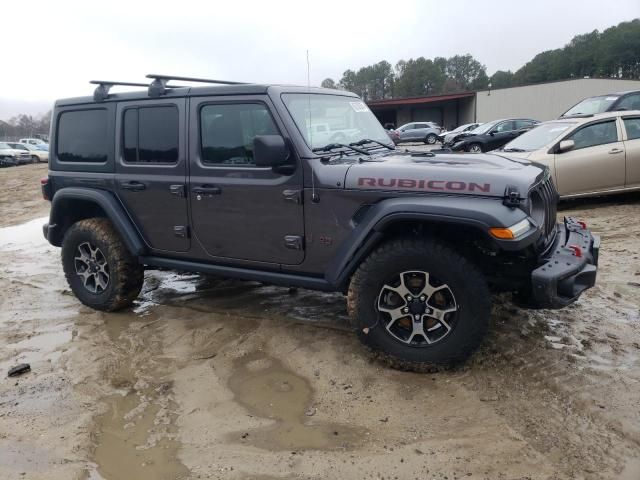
[456,186]
[482,188]
[391,182]
[450,185]
[406,183]
[432,184]
[369,182]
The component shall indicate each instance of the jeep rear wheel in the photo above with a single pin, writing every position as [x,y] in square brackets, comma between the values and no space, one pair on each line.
[99,269]
[419,305]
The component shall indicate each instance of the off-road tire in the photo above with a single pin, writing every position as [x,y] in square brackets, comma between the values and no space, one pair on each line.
[126,275]
[431,139]
[466,281]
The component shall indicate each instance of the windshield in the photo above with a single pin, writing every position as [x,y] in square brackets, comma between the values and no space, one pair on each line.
[461,128]
[484,128]
[592,105]
[538,136]
[326,119]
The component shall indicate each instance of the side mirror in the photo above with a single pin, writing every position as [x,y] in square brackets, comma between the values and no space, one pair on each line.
[492,133]
[566,145]
[270,151]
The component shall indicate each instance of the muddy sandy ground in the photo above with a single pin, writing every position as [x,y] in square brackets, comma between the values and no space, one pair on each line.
[235,380]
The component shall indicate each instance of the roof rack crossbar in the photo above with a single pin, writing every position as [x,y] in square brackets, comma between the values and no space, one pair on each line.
[159,84]
[101,92]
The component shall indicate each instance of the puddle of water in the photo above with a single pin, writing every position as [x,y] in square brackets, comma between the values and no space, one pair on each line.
[129,444]
[267,389]
[23,236]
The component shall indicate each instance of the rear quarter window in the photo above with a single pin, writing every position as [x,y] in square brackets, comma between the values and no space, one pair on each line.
[82,136]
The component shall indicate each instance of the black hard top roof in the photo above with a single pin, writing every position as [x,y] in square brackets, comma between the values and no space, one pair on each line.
[222,90]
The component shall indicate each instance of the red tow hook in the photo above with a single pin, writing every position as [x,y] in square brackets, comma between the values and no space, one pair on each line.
[577,251]
[582,224]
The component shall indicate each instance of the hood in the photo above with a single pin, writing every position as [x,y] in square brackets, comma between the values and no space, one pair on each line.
[472,174]
[521,155]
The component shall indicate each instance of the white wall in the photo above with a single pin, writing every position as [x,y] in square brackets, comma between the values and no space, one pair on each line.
[545,101]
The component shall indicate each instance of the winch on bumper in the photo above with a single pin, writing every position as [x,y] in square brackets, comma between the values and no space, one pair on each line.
[569,270]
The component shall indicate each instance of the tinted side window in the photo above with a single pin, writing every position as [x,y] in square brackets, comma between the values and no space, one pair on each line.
[82,136]
[227,132]
[632,126]
[595,134]
[504,127]
[630,102]
[150,134]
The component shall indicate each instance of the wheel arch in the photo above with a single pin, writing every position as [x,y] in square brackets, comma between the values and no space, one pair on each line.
[70,205]
[444,217]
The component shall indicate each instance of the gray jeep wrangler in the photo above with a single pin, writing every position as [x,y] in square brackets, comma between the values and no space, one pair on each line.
[302,187]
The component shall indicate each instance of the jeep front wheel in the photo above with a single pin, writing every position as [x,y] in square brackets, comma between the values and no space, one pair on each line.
[99,269]
[419,305]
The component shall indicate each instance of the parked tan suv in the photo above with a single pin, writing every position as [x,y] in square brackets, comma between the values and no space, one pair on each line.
[588,155]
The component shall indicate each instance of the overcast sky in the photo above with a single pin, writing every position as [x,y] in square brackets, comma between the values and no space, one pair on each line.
[60,45]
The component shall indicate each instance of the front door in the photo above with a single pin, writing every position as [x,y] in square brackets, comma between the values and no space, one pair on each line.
[596,163]
[151,170]
[501,134]
[240,211]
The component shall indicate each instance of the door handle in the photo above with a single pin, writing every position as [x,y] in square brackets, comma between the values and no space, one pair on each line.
[207,190]
[133,186]
[615,150]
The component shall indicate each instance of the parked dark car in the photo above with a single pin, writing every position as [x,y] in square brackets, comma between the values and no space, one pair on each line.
[611,102]
[492,135]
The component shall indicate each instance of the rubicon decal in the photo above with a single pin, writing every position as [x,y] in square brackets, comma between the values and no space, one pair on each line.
[435,185]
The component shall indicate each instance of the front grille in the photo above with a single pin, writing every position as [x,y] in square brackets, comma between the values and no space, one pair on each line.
[544,198]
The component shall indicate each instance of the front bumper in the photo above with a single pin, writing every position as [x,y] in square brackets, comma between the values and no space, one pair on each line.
[570,268]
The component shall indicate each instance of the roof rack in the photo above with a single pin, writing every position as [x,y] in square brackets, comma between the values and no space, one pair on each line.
[159,84]
[101,92]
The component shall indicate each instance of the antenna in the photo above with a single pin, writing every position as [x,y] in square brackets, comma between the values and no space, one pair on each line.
[314,195]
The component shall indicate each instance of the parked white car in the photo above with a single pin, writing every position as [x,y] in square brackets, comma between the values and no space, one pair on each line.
[10,156]
[32,141]
[37,154]
[588,155]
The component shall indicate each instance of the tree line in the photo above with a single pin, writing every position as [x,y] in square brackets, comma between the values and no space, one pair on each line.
[25,126]
[612,53]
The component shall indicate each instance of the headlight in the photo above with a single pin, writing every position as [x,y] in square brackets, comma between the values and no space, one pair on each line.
[512,232]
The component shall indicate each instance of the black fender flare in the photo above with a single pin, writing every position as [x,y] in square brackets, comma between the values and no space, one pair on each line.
[112,208]
[480,213]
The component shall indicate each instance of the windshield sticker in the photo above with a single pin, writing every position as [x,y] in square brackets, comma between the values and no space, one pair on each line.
[558,129]
[610,99]
[358,107]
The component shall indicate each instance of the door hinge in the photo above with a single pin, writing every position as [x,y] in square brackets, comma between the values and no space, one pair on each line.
[294,242]
[181,231]
[294,196]
[177,190]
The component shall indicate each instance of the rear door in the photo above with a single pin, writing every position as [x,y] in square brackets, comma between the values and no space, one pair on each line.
[596,163]
[242,212]
[151,170]
[631,126]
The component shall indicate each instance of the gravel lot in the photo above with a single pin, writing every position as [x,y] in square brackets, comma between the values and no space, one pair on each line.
[236,380]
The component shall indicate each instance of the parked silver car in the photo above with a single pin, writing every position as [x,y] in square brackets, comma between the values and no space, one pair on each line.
[426,132]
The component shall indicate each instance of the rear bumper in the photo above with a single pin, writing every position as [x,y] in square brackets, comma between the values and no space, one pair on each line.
[569,270]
